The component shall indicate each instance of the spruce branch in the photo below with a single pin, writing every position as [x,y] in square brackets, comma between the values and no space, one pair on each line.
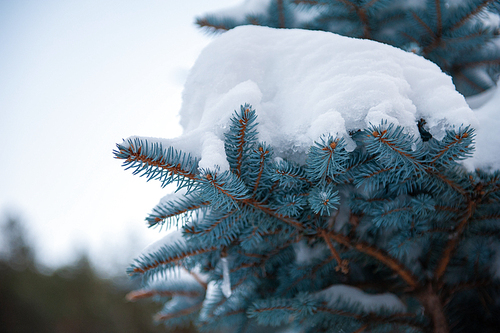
[148,293]
[378,254]
[195,276]
[263,154]
[223,190]
[207,24]
[308,2]
[453,242]
[394,148]
[281,14]
[343,265]
[313,271]
[155,162]
[264,311]
[400,194]
[471,13]
[434,309]
[260,206]
[184,312]
[240,138]
[212,223]
[178,209]
[453,147]
[326,158]
[139,268]
[361,329]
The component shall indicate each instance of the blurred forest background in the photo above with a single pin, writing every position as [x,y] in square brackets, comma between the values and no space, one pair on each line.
[70,299]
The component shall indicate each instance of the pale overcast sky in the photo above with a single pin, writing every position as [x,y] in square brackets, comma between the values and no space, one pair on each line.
[75,78]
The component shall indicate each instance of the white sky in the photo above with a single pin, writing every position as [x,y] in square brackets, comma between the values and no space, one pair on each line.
[75,78]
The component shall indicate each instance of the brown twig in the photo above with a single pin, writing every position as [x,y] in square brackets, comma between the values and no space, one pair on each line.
[379,255]
[453,242]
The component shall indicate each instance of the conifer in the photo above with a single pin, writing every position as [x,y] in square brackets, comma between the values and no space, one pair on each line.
[392,234]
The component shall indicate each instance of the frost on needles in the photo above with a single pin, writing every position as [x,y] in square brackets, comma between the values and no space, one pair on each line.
[373,226]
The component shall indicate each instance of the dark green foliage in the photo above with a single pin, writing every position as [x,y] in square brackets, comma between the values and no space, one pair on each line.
[461,37]
[71,299]
[397,214]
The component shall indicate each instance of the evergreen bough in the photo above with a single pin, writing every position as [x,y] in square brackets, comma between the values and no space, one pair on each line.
[461,37]
[396,215]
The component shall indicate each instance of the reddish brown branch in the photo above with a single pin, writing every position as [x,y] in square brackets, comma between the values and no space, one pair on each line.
[307,2]
[281,13]
[393,146]
[241,142]
[261,167]
[439,18]
[172,260]
[470,14]
[424,25]
[212,180]
[456,140]
[147,293]
[343,265]
[379,255]
[361,329]
[453,242]
[257,205]
[366,25]
[196,277]
[181,313]
[204,23]
[448,182]
[136,156]
[283,173]
[263,258]
[434,309]
[395,210]
[369,4]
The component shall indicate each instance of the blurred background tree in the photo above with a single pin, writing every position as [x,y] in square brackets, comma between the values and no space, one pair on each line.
[73,298]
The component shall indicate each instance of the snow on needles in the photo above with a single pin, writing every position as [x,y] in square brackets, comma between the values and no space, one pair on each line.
[369,302]
[304,84]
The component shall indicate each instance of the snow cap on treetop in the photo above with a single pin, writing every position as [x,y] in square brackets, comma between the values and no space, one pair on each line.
[304,84]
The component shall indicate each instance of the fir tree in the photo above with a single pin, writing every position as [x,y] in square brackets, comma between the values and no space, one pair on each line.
[461,37]
[382,218]
[390,235]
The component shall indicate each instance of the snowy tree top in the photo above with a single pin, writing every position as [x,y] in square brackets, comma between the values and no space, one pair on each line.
[304,84]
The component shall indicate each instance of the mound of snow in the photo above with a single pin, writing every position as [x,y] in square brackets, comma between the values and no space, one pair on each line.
[368,302]
[303,84]
[487,154]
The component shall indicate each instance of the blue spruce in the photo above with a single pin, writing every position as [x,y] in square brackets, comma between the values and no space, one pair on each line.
[384,218]
[392,236]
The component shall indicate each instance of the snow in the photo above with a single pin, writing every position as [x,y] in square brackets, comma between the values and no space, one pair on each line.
[226,281]
[303,84]
[487,154]
[368,302]
[304,253]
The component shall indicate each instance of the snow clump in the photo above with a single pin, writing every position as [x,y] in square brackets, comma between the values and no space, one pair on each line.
[304,84]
